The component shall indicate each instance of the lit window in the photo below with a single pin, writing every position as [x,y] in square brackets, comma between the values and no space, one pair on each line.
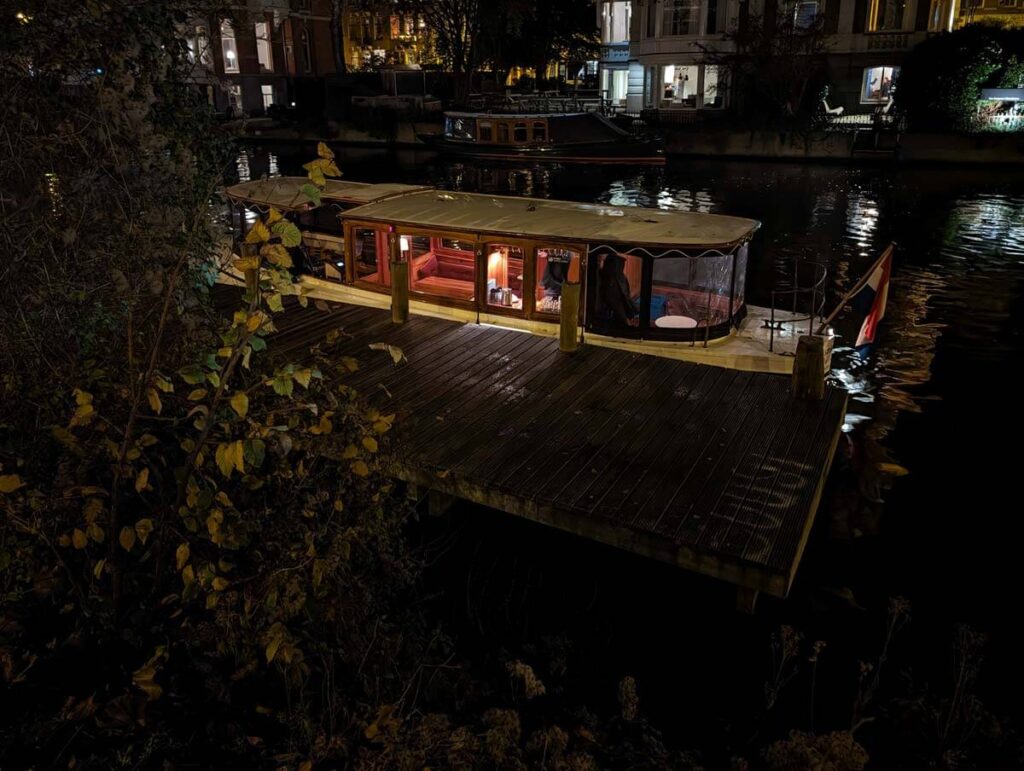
[679,85]
[267,92]
[370,257]
[804,14]
[504,276]
[228,48]
[440,267]
[555,266]
[879,84]
[263,49]
[712,87]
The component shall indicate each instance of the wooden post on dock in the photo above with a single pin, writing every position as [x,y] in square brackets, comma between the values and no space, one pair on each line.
[569,339]
[813,362]
[399,281]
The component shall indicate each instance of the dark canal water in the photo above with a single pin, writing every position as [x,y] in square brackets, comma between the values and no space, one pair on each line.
[937,398]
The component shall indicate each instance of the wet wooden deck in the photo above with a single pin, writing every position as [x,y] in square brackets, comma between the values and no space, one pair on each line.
[714,470]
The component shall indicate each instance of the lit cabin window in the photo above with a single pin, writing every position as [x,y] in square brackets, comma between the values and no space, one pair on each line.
[263,50]
[540,131]
[504,276]
[486,131]
[519,133]
[555,265]
[370,256]
[440,267]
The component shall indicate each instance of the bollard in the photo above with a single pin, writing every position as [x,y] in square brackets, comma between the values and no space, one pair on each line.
[568,338]
[813,362]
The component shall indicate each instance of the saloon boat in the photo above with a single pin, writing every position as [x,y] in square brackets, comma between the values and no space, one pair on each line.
[566,137]
[668,283]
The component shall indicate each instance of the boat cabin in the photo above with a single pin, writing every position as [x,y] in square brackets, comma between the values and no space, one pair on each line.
[523,130]
[322,251]
[646,273]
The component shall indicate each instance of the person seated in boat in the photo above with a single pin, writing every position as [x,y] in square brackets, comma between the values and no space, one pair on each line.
[614,297]
[555,274]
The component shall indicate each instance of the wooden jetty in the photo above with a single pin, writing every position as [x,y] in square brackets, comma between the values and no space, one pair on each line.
[714,470]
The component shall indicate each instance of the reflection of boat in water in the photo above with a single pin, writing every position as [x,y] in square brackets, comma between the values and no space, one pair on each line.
[567,137]
[669,283]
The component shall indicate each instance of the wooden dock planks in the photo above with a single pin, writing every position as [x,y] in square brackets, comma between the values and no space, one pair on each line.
[714,470]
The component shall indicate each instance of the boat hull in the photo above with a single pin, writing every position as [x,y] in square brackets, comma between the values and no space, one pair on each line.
[634,151]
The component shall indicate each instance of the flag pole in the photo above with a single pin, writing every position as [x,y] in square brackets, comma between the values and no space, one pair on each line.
[856,287]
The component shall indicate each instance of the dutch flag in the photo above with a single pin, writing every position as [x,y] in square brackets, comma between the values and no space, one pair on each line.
[870,300]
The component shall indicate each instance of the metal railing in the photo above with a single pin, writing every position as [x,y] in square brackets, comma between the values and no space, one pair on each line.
[813,292]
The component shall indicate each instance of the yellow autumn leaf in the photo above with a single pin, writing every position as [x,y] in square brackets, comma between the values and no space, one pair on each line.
[225,459]
[97,569]
[247,263]
[196,394]
[258,234]
[252,323]
[78,539]
[303,376]
[359,468]
[220,584]
[10,482]
[143,528]
[142,480]
[95,533]
[154,400]
[126,538]
[82,397]
[181,555]
[274,216]
[188,575]
[240,403]
[239,456]
[324,151]
[349,452]
[370,443]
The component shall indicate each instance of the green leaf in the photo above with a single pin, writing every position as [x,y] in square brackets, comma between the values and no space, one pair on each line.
[192,374]
[312,192]
[275,303]
[282,384]
[258,344]
[289,234]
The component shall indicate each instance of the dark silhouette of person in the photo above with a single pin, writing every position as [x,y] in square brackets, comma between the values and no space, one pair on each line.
[555,274]
[614,297]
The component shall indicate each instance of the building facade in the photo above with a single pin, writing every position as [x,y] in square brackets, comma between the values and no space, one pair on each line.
[619,74]
[675,44]
[275,53]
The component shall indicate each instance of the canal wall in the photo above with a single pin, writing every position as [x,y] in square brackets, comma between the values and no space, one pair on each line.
[847,146]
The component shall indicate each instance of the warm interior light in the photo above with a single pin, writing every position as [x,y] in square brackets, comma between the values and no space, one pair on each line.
[230,54]
[403,243]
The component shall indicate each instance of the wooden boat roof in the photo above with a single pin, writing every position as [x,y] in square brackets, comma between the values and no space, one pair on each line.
[565,220]
[283,192]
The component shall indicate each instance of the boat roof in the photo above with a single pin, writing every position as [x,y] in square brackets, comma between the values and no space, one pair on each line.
[283,192]
[565,220]
[496,113]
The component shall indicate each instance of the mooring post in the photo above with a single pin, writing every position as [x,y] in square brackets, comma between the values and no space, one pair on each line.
[569,339]
[399,281]
[813,362]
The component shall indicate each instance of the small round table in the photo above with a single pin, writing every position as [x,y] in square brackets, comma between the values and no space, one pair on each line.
[675,322]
